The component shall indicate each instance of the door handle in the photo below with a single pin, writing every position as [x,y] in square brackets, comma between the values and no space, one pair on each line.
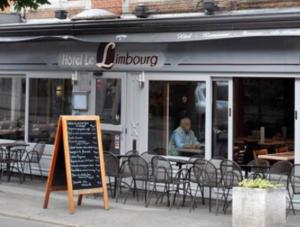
[296,115]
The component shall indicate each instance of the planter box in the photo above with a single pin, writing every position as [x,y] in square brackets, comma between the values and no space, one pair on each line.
[252,207]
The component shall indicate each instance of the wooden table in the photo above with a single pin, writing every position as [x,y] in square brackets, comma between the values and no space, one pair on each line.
[272,143]
[286,156]
[199,150]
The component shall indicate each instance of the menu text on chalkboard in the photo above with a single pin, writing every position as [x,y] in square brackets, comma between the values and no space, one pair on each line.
[77,160]
[84,154]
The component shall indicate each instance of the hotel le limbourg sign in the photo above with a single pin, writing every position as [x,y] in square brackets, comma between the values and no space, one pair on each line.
[108,56]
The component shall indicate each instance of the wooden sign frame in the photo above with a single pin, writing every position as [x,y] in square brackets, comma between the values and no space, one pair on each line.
[62,137]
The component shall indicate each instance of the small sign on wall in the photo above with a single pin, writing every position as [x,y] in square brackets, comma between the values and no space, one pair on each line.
[80,100]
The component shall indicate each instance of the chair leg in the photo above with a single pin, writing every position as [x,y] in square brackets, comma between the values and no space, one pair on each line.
[210,192]
[150,194]
[291,202]
[226,201]
[130,188]
[146,192]
[118,188]
[202,195]
[194,199]
[40,169]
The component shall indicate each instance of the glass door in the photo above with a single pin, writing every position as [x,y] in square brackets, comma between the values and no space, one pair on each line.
[110,105]
[222,124]
[297,121]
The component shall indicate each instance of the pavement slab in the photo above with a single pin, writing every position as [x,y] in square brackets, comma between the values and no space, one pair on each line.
[25,201]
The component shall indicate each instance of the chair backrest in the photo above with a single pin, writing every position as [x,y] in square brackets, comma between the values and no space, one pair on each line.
[147,156]
[282,149]
[138,167]
[38,151]
[280,172]
[250,146]
[131,152]
[206,174]
[295,179]
[217,161]
[111,164]
[259,152]
[161,169]
[231,173]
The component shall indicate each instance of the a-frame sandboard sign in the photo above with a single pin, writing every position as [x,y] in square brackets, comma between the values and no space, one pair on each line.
[77,160]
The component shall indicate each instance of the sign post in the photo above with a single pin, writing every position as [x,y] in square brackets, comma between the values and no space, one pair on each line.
[77,160]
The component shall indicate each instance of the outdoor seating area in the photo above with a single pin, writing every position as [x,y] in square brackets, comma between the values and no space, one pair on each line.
[17,158]
[182,181]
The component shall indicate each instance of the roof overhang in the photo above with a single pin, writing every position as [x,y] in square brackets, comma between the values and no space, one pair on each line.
[162,37]
[158,30]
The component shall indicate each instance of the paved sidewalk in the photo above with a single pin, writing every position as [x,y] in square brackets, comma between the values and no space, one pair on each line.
[26,200]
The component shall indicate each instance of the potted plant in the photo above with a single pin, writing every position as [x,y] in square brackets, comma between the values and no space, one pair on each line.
[259,203]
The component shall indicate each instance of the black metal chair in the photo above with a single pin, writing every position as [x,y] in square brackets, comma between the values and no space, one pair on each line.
[206,176]
[280,174]
[34,157]
[231,175]
[140,173]
[124,173]
[16,160]
[190,177]
[294,180]
[259,168]
[112,168]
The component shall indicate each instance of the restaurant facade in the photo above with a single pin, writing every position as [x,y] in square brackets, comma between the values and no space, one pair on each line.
[231,83]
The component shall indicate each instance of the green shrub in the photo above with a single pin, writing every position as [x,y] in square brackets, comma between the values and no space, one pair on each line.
[259,183]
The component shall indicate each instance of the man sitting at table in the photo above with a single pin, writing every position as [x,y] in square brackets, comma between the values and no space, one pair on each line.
[183,137]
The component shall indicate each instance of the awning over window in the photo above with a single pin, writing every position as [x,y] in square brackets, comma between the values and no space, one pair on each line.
[167,37]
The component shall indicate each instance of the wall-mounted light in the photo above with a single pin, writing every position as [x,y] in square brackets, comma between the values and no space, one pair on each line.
[59,90]
[75,78]
[210,6]
[141,80]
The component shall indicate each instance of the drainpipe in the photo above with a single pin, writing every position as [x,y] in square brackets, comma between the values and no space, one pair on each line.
[125,7]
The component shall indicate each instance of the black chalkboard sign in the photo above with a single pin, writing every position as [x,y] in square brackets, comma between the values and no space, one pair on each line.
[77,160]
[84,154]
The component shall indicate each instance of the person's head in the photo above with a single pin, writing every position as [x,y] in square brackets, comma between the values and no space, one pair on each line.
[185,124]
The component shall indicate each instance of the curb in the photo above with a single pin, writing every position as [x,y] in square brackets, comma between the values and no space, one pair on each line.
[24,217]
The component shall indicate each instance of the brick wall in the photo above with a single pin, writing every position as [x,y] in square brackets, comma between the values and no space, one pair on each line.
[172,6]
[111,5]
[47,11]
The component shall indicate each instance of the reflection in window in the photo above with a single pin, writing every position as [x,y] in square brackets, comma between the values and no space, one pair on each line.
[111,141]
[176,117]
[12,108]
[108,100]
[220,119]
[48,99]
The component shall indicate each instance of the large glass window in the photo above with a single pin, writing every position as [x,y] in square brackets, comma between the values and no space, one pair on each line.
[108,100]
[177,117]
[48,99]
[12,108]
[220,119]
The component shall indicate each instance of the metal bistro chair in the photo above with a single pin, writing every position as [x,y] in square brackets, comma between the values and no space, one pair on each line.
[163,175]
[259,168]
[280,174]
[206,176]
[34,157]
[294,183]
[148,158]
[140,173]
[231,175]
[16,161]
[190,177]
[112,168]
[124,173]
